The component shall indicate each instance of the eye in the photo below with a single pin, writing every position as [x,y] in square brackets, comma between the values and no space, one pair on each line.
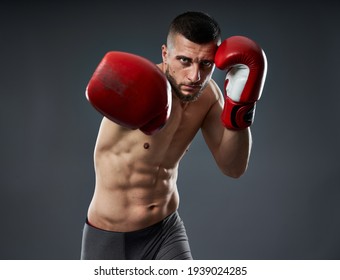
[206,63]
[184,60]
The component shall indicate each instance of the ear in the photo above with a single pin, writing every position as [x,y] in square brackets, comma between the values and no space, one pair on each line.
[164,53]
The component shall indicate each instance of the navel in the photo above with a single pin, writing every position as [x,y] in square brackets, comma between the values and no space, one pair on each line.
[146,145]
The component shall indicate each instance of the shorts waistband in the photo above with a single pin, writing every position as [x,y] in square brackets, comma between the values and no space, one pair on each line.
[151,227]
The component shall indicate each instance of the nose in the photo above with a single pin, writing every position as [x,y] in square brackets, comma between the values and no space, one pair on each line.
[194,74]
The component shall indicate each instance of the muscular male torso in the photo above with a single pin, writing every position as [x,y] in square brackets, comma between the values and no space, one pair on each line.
[136,174]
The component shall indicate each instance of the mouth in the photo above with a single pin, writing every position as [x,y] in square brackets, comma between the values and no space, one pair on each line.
[188,92]
[191,87]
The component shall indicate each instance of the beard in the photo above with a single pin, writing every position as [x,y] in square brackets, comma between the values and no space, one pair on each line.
[176,88]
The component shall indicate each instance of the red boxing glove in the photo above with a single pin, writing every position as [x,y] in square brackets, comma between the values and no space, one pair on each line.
[130,91]
[246,66]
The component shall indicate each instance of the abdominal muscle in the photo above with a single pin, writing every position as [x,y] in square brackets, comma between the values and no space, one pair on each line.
[133,189]
[124,205]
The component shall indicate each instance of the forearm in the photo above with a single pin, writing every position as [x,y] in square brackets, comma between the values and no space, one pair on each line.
[233,152]
[245,64]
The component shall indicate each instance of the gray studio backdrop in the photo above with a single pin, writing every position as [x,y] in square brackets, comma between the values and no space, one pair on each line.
[287,204]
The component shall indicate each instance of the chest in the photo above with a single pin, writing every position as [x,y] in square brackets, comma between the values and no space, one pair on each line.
[184,123]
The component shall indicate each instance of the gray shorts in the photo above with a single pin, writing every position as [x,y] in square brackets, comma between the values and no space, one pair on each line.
[166,240]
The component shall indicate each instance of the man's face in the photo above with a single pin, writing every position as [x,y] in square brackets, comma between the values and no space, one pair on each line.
[188,66]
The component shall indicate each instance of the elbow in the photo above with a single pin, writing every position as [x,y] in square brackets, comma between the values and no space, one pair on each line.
[234,173]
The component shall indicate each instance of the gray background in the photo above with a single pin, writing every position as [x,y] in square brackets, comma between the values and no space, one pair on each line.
[287,204]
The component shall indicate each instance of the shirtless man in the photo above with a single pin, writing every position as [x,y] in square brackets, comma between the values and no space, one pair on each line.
[133,213]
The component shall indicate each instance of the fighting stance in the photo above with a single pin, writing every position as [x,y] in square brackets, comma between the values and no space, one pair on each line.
[151,115]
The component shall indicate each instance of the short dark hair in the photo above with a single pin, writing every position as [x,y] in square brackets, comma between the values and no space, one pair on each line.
[197,27]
